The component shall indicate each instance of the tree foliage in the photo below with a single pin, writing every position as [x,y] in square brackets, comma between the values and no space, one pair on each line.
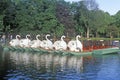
[57,17]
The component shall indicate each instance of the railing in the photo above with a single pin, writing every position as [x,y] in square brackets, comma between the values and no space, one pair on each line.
[89,45]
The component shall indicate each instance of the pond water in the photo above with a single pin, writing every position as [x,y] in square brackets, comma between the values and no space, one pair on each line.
[36,66]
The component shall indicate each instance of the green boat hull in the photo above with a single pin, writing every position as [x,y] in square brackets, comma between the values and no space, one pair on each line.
[39,50]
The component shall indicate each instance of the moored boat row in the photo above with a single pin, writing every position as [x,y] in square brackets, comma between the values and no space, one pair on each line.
[73,47]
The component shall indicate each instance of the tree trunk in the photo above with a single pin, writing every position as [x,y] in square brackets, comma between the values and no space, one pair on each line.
[88,30]
[96,34]
[111,35]
[118,35]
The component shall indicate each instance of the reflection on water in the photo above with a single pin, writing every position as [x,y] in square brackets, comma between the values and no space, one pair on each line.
[36,66]
[47,60]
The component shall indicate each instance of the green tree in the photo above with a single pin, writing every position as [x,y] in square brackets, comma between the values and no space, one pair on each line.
[116,21]
[4,4]
[84,15]
[37,17]
[64,16]
[117,18]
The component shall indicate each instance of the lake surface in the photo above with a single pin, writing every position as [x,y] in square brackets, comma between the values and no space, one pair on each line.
[36,66]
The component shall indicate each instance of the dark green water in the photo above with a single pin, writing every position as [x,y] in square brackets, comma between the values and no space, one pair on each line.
[35,66]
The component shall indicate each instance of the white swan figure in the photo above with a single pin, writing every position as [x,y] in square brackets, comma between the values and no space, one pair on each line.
[47,44]
[75,45]
[61,44]
[15,42]
[79,45]
[56,45]
[25,42]
[36,43]
[72,45]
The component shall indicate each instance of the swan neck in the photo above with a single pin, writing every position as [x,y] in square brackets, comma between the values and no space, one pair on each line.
[27,36]
[37,37]
[17,36]
[47,37]
[62,38]
[77,37]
